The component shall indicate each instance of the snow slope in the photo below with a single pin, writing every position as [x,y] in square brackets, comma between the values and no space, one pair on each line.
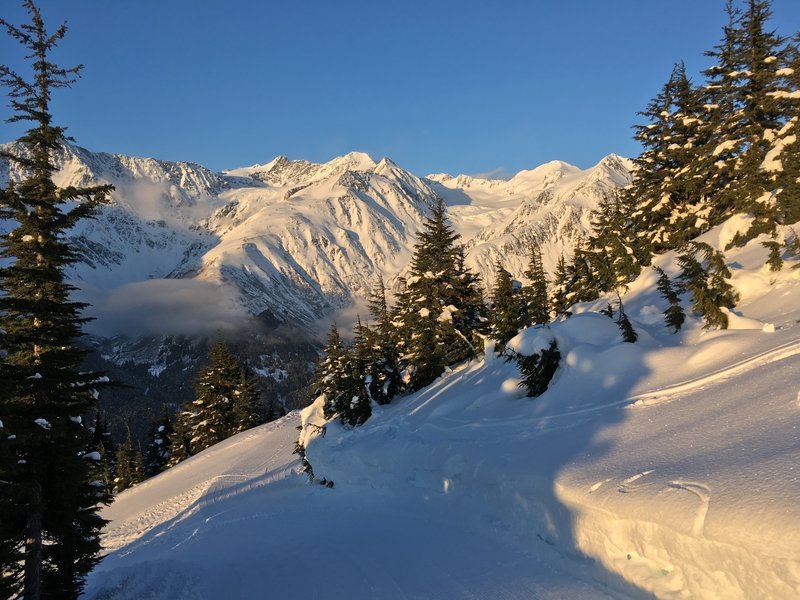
[664,468]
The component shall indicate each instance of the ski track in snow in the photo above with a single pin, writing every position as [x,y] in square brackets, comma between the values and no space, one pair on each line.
[659,396]
[703,493]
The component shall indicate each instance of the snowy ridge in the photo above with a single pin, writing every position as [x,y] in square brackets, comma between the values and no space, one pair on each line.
[297,239]
[629,477]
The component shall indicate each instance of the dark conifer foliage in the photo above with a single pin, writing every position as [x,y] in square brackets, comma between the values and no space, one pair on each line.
[158,452]
[538,369]
[227,401]
[507,310]
[52,524]
[610,254]
[705,280]
[560,302]
[103,469]
[343,383]
[247,411]
[129,465]
[669,209]
[440,311]
[385,380]
[726,146]
[536,305]
[775,258]
[674,315]
[625,326]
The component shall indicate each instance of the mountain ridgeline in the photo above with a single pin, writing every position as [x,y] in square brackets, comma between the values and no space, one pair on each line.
[263,253]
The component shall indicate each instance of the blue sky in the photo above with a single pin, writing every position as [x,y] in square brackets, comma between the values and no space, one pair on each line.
[438,86]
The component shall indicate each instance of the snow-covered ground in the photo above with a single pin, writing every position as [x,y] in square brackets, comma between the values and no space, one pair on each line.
[664,468]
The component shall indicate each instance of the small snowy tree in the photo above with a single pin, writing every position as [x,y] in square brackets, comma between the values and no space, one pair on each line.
[674,315]
[625,326]
[538,369]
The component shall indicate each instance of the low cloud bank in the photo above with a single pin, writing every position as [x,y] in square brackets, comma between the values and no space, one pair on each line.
[161,307]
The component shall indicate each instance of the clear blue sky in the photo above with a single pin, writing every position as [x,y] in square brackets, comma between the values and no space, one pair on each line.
[437,85]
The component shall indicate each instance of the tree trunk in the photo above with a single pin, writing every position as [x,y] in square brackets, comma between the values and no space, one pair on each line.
[33,546]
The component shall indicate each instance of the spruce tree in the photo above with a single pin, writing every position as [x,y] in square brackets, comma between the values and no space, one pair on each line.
[215,390]
[536,305]
[539,368]
[385,378]
[507,308]
[674,315]
[610,252]
[227,401]
[625,326]
[44,472]
[668,206]
[246,402]
[159,446]
[440,309]
[706,281]
[342,382]
[775,258]
[559,301]
[746,91]
[103,470]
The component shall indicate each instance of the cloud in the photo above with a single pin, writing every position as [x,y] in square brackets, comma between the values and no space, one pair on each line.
[162,307]
[345,319]
[498,173]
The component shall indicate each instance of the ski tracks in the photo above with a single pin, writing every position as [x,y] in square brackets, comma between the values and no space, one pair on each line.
[703,494]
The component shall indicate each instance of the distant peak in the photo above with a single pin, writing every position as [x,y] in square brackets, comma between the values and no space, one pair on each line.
[360,159]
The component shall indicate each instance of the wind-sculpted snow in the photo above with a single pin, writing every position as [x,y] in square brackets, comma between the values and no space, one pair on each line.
[663,468]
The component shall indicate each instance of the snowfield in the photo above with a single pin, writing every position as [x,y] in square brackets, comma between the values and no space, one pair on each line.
[665,468]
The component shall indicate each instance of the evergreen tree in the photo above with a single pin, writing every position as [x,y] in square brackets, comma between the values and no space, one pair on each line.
[705,280]
[507,308]
[610,252]
[440,309]
[44,472]
[342,382]
[385,378]
[180,442]
[747,89]
[159,447]
[103,469]
[539,368]
[674,315]
[625,326]
[246,402]
[775,258]
[212,407]
[125,466]
[536,305]
[582,275]
[559,294]
[330,370]
[227,401]
[668,207]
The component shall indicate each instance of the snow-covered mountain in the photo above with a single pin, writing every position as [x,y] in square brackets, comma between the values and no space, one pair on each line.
[181,253]
[181,249]
[665,468]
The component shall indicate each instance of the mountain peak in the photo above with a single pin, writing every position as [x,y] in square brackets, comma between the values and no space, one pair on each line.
[353,161]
